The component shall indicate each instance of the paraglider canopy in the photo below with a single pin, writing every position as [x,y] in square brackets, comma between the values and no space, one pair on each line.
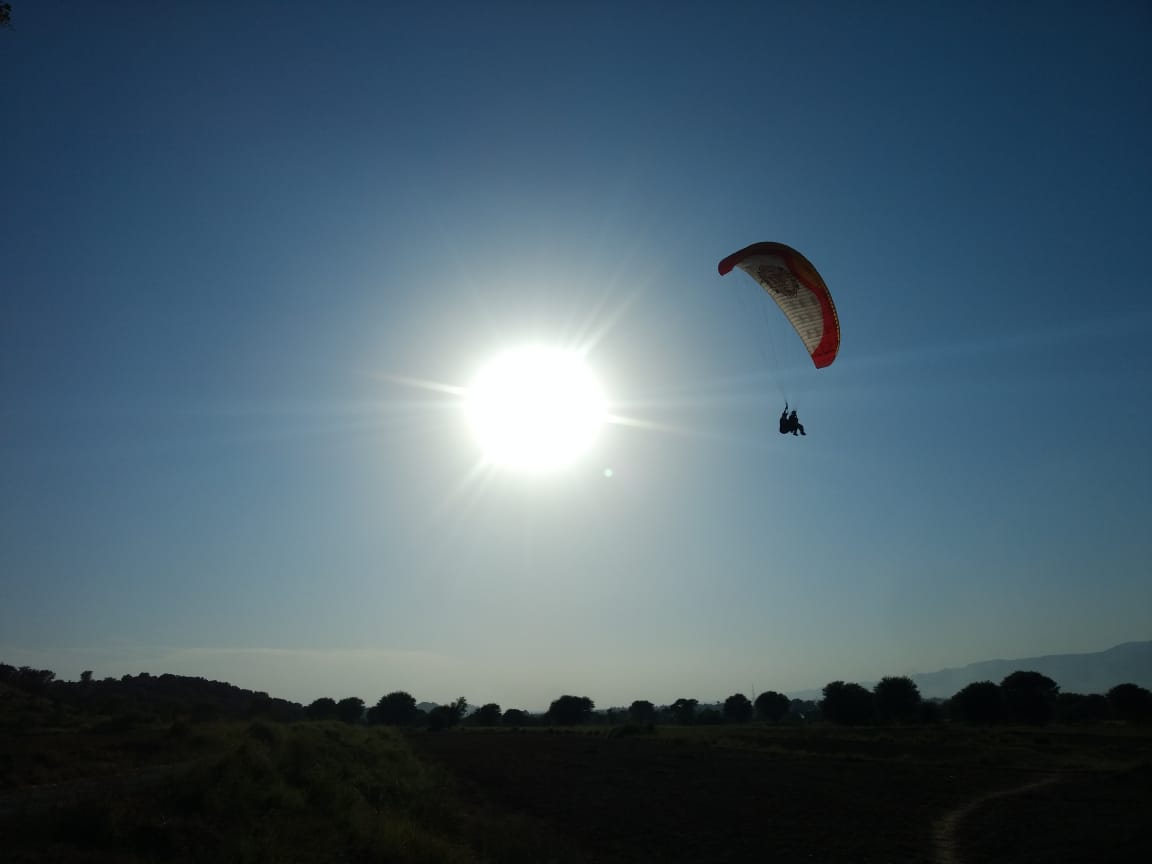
[792,281]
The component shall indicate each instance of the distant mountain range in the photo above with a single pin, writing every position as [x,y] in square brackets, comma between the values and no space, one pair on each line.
[1097,672]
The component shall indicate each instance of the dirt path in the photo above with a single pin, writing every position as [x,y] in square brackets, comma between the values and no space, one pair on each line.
[944,832]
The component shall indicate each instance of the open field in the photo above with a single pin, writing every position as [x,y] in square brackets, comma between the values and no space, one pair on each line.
[823,794]
[267,792]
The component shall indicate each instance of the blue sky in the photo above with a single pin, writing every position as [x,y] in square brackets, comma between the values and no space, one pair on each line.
[234,240]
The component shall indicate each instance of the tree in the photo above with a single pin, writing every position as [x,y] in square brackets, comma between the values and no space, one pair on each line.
[896,700]
[684,711]
[441,717]
[846,704]
[1131,702]
[772,706]
[5,16]
[709,717]
[979,703]
[515,717]
[807,710]
[1029,697]
[737,708]
[34,680]
[350,709]
[486,715]
[260,705]
[1081,708]
[459,709]
[394,709]
[86,676]
[642,711]
[447,716]
[323,708]
[570,710]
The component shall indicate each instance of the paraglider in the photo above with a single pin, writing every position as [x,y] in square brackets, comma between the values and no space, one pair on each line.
[790,423]
[790,279]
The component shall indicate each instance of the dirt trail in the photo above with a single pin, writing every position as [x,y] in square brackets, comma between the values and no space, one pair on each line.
[944,832]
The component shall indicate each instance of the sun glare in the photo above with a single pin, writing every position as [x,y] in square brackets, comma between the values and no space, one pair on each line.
[535,408]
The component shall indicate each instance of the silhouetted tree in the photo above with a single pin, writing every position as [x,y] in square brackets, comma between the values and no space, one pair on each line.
[459,708]
[1081,708]
[323,708]
[5,16]
[896,700]
[642,711]
[683,711]
[350,709]
[261,705]
[737,708]
[772,706]
[979,703]
[447,716]
[440,717]
[1029,697]
[515,717]
[570,710]
[486,715]
[709,717]
[394,709]
[1131,702]
[846,704]
[805,709]
[34,680]
[86,676]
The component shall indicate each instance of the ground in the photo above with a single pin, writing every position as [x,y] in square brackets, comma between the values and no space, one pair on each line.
[834,795]
[260,791]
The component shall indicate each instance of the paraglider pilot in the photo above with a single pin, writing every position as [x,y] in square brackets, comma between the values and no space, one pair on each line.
[790,423]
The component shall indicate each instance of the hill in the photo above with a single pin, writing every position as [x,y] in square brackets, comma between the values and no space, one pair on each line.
[1096,672]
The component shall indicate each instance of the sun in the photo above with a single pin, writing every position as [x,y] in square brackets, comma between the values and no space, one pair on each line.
[535,408]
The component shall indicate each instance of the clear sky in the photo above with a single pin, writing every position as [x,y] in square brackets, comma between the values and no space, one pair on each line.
[251,252]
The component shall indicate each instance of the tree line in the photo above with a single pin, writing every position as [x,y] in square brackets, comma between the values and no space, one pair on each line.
[1023,697]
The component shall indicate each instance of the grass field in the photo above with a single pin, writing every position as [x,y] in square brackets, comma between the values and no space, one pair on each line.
[102,791]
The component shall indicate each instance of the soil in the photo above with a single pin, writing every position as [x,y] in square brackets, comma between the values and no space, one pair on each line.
[647,799]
